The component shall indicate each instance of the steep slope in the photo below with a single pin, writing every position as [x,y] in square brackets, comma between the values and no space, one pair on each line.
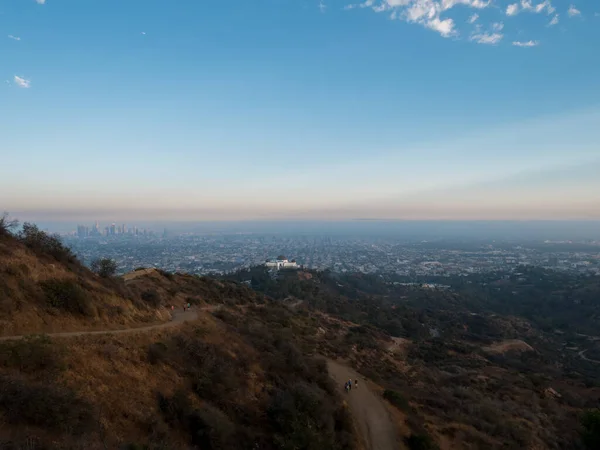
[43,288]
[231,379]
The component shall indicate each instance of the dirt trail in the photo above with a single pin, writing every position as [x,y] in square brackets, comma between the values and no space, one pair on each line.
[177,318]
[368,409]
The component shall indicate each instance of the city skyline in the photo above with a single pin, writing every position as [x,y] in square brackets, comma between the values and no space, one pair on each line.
[332,110]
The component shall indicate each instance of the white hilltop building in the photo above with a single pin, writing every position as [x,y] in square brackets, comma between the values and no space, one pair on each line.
[282,263]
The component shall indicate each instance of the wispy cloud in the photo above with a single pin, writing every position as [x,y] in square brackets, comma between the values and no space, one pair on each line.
[426,13]
[436,15]
[526,43]
[492,37]
[40,2]
[143,33]
[15,38]
[527,5]
[487,38]
[322,6]
[572,12]
[22,82]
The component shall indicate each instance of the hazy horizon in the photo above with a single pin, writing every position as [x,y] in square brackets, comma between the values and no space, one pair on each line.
[402,229]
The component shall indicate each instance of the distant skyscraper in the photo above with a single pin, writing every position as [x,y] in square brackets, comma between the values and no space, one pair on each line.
[123,229]
[113,229]
[82,231]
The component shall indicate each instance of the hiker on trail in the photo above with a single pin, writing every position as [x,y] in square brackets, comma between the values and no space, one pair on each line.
[346,387]
[355,384]
[189,305]
[172,307]
[350,385]
[183,308]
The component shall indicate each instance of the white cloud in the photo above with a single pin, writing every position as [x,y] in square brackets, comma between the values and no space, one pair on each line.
[322,6]
[487,38]
[572,12]
[15,38]
[144,33]
[41,2]
[554,21]
[436,15]
[527,5]
[526,44]
[444,27]
[22,82]
[513,9]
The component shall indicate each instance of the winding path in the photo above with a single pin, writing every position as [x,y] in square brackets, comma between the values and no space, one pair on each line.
[368,409]
[178,317]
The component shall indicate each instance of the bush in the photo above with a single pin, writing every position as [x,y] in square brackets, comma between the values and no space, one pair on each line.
[32,354]
[44,243]
[208,427]
[396,399]
[44,405]
[421,442]
[68,296]
[104,267]
[7,225]
[590,433]
[157,352]
[152,298]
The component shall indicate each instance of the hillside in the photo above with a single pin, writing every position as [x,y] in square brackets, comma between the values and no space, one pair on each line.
[43,288]
[461,369]
[232,377]
[247,368]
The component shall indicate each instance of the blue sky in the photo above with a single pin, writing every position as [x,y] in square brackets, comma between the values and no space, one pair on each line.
[191,110]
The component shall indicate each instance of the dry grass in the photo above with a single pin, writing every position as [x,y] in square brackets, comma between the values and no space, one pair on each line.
[511,345]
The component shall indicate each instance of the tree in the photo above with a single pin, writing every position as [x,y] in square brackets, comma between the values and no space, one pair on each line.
[7,224]
[104,267]
[590,434]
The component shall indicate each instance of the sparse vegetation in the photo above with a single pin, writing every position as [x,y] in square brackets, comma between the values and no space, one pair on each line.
[32,354]
[7,224]
[48,406]
[104,267]
[44,243]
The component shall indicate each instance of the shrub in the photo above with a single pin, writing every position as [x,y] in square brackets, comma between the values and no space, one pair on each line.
[104,267]
[590,432]
[68,296]
[157,352]
[396,399]
[48,406]
[32,354]
[44,243]
[421,442]
[152,298]
[7,225]
[303,417]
